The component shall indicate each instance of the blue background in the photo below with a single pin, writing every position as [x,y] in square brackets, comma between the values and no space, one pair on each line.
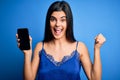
[90,18]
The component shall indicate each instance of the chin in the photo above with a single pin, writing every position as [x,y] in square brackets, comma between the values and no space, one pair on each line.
[58,37]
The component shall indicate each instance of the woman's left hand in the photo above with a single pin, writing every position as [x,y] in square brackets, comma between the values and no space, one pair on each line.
[99,40]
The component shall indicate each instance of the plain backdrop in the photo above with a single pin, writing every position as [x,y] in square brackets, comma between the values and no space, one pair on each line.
[91,17]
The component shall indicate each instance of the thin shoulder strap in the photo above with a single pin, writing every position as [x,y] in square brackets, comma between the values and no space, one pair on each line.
[76,45]
[42,45]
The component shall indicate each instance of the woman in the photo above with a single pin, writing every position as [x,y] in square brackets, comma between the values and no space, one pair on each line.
[60,56]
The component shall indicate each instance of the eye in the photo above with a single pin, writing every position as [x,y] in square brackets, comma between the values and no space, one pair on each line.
[52,18]
[63,20]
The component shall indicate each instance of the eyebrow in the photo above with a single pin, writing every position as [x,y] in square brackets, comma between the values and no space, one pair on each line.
[63,17]
[60,17]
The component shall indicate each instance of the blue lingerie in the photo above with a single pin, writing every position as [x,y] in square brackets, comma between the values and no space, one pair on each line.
[67,69]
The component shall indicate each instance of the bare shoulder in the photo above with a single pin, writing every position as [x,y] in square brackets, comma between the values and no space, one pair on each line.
[81,45]
[82,48]
[38,47]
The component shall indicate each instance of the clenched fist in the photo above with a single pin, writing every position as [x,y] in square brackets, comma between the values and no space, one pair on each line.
[99,40]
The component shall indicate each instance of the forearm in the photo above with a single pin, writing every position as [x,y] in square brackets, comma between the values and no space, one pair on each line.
[28,75]
[97,67]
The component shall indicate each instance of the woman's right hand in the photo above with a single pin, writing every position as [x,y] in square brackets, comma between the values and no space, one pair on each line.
[25,51]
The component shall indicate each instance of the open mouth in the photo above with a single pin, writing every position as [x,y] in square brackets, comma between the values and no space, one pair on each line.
[57,31]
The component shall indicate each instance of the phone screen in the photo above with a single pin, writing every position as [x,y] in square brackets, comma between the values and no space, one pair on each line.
[23,35]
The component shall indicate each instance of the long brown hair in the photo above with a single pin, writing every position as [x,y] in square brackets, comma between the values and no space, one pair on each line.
[59,6]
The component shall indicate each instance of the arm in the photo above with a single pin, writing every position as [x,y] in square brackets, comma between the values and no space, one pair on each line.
[36,59]
[27,65]
[92,71]
[30,68]
[97,67]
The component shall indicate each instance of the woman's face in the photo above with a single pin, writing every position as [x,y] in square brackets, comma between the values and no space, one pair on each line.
[58,24]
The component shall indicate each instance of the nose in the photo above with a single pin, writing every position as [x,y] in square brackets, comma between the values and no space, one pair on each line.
[58,23]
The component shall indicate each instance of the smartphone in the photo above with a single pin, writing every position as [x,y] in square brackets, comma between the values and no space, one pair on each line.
[23,35]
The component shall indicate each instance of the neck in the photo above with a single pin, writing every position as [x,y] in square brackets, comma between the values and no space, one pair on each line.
[59,43]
